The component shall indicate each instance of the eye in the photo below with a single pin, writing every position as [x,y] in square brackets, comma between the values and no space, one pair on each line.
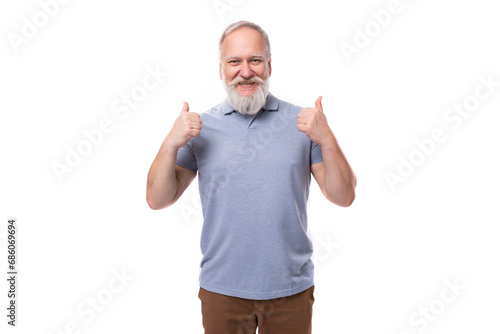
[256,61]
[233,62]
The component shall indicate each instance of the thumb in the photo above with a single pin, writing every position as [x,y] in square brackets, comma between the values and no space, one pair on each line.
[318,104]
[185,108]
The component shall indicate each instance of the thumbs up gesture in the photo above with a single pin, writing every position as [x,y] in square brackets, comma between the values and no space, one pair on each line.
[312,121]
[186,126]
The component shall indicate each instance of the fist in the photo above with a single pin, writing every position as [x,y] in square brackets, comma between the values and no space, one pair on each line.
[186,126]
[312,121]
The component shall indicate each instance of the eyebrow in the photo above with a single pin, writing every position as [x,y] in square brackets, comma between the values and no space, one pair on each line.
[234,57]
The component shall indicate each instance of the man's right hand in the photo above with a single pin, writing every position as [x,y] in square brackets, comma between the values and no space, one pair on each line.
[186,126]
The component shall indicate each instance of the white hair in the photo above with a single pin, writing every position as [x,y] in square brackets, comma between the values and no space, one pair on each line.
[246,104]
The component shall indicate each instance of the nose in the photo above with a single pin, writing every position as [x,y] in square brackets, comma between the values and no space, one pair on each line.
[246,71]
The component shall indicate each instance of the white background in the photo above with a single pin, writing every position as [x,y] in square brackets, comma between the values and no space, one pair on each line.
[377,262]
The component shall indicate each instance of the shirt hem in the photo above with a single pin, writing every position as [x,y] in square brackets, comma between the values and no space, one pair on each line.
[257,296]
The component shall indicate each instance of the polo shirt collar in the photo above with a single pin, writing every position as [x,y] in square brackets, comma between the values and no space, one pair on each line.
[272,104]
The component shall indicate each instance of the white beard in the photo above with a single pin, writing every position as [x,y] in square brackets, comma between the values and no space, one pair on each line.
[246,104]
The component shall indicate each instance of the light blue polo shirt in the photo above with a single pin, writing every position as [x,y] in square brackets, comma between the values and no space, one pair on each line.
[254,176]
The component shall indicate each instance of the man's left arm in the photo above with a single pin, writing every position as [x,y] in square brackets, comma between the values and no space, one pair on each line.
[334,175]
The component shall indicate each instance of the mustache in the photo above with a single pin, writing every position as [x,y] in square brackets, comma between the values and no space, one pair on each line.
[243,81]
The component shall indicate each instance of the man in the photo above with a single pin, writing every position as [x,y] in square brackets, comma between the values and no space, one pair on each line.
[254,155]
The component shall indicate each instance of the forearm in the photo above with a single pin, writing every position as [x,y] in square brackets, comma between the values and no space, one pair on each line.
[339,181]
[162,180]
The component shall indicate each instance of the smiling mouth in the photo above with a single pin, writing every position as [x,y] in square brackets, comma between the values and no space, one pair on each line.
[247,84]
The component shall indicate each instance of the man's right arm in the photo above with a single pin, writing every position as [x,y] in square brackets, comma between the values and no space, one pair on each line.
[166,180]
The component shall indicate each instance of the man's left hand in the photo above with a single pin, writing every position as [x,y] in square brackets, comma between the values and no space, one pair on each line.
[312,121]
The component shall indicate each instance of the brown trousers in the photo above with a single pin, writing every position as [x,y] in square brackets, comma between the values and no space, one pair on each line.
[231,315]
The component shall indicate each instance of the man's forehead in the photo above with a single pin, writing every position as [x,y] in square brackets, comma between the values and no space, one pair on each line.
[243,36]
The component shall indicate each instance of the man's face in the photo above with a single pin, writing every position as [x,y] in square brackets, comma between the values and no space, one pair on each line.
[244,57]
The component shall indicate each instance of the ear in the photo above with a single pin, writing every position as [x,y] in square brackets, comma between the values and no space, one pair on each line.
[269,64]
[220,70]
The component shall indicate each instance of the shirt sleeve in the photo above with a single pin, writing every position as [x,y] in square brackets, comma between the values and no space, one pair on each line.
[186,157]
[316,155]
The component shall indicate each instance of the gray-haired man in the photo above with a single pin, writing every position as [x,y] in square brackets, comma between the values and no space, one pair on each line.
[254,155]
